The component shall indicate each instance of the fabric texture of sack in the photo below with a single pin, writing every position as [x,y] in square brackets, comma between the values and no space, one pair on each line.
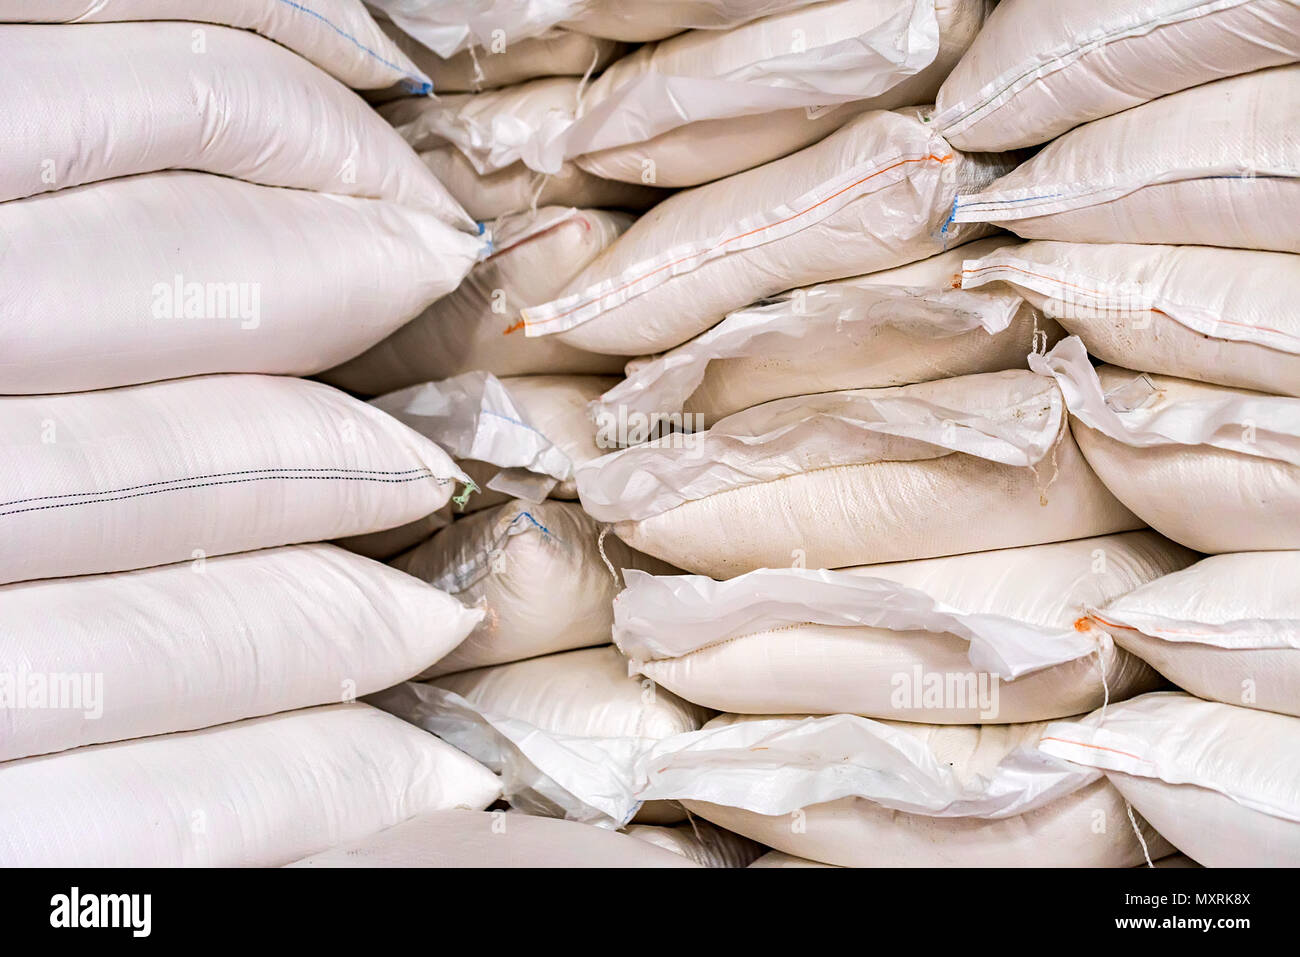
[1221,783]
[993,637]
[707,104]
[875,194]
[1226,629]
[478,327]
[267,791]
[131,98]
[858,478]
[889,328]
[1040,69]
[495,839]
[539,573]
[1224,316]
[1213,468]
[1216,165]
[284,281]
[339,36]
[206,643]
[173,471]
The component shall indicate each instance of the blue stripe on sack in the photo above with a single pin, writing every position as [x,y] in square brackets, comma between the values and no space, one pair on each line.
[413,85]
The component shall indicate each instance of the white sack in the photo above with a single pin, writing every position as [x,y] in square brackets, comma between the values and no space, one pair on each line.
[173,471]
[849,791]
[478,327]
[390,542]
[912,472]
[889,328]
[339,36]
[1038,69]
[539,573]
[877,193]
[1221,783]
[701,842]
[1216,165]
[1226,629]
[193,645]
[449,26]
[495,839]
[1213,468]
[517,189]
[1226,316]
[530,719]
[992,637]
[266,791]
[706,104]
[553,53]
[280,281]
[93,102]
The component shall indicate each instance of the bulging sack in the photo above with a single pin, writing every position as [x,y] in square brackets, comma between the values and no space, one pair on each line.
[189,646]
[1222,783]
[539,573]
[176,471]
[521,436]
[128,98]
[1213,468]
[1216,165]
[857,478]
[1225,316]
[478,327]
[553,53]
[846,790]
[1039,69]
[324,776]
[339,36]
[877,193]
[494,839]
[517,189]
[529,720]
[284,281]
[708,103]
[1226,629]
[994,637]
[449,26]
[889,328]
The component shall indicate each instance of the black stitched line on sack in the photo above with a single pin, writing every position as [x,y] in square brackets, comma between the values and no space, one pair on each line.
[182,488]
[190,478]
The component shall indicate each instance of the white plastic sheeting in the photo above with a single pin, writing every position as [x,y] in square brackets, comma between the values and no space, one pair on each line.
[200,644]
[885,329]
[991,637]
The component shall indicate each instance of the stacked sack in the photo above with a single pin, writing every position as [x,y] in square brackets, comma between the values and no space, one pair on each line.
[910,552]
[198,209]
[1162,228]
